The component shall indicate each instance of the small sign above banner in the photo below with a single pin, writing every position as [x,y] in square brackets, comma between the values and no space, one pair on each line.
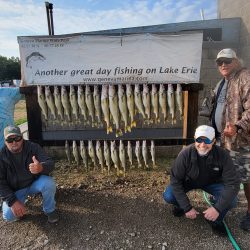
[98,59]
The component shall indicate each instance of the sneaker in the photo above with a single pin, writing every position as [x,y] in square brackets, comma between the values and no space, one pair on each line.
[245,223]
[218,228]
[177,212]
[53,217]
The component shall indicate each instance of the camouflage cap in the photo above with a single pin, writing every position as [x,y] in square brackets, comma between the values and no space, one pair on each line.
[12,130]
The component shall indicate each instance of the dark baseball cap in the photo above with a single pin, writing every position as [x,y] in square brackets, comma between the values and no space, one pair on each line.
[12,130]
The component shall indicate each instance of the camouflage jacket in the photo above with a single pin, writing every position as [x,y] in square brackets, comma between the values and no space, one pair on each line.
[237,109]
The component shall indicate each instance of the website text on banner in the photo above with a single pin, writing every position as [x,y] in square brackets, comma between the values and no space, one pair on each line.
[111,59]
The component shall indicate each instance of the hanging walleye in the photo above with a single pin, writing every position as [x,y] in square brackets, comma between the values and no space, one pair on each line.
[171,103]
[122,103]
[84,155]
[65,103]
[97,105]
[76,153]
[179,99]
[50,102]
[114,110]
[163,102]
[131,105]
[42,102]
[138,101]
[155,103]
[58,103]
[82,104]
[105,107]
[146,102]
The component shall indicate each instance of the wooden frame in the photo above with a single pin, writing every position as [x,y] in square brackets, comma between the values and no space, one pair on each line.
[162,136]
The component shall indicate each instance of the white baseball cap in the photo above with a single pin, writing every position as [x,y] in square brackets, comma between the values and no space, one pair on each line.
[205,131]
[226,53]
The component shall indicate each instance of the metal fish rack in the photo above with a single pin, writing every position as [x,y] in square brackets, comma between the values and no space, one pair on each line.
[55,134]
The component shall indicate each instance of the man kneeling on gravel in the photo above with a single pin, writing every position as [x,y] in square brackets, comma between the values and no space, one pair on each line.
[204,165]
[24,170]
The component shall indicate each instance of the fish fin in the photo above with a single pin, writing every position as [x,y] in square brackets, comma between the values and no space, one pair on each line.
[118,132]
[133,124]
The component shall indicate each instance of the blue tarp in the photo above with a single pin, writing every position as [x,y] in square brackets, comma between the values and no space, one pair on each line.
[9,96]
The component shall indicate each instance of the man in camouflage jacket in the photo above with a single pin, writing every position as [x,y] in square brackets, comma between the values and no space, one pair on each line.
[231,117]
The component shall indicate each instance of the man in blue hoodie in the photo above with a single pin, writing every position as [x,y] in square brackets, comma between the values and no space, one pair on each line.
[9,96]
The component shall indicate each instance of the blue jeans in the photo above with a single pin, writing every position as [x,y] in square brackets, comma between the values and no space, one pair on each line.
[213,189]
[44,185]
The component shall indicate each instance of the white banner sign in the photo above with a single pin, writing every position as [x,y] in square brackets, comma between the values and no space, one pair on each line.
[111,59]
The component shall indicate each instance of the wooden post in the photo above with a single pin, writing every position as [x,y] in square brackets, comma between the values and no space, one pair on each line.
[185,115]
[192,113]
[33,114]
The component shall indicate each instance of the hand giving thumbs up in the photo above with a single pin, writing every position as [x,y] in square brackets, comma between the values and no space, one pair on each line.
[35,167]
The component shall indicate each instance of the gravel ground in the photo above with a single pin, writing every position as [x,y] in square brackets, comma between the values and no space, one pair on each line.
[104,212]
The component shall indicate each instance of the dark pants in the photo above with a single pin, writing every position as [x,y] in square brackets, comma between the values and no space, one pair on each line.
[213,189]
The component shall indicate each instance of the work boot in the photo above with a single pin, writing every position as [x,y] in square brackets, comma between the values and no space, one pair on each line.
[245,223]
[53,217]
[177,211]
[218,228]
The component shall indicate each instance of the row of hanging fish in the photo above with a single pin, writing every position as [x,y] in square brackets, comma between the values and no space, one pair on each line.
[109,153]
[112,104]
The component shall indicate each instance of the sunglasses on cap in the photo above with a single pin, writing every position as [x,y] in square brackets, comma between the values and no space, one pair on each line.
[16,139]
[224,60]
[205,140]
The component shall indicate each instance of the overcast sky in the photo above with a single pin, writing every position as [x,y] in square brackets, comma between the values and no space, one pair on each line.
[28,17]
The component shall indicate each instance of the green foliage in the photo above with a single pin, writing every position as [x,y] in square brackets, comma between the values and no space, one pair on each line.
[20,121]
[10,68]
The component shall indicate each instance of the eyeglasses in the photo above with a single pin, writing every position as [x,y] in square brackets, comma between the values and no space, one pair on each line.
[224,60]
[16,139]
[205,140]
